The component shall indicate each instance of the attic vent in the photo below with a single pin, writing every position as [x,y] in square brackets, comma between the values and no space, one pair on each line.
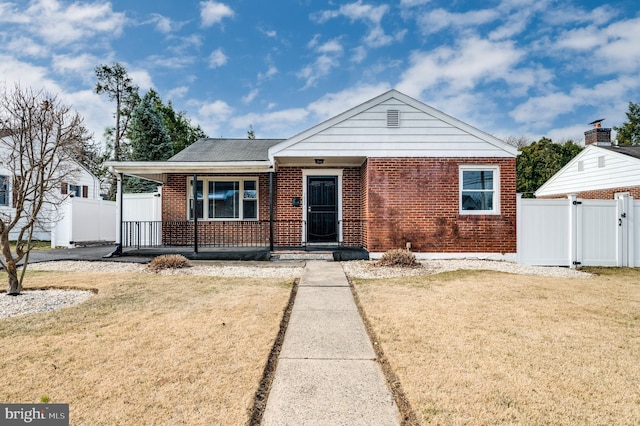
[393,118]
[580,166]
[601,161]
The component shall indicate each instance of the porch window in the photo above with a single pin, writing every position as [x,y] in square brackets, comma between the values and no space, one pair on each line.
[479,190]
[226,199]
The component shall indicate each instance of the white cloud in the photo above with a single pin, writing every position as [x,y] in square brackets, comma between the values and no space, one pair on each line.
[25,46]
[461,68]
[359,54]
[542,109]
[249,97]
[82,65]
[212,12]
[370,15]
[440,19]
[217,58]
[141,78]
[165,25]
[78,22]
[217,110]
[178,92]
[333,104]
[413,3]
[271,71]
[274,121]
[327,60]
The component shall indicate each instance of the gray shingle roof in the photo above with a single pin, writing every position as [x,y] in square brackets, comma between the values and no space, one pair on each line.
[632,151]
[226,150]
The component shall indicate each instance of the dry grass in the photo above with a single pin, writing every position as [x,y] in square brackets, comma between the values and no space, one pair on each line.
[147,349]
[491,348]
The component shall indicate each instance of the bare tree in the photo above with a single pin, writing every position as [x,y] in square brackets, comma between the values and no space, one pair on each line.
[39,137]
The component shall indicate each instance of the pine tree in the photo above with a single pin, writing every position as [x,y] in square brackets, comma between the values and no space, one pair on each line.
[149,140]
[629,132]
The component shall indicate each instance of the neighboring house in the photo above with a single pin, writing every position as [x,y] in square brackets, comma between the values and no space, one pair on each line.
[389,173]
[84,185]
[600,171]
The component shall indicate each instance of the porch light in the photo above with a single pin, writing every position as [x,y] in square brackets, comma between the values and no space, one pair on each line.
[319,160]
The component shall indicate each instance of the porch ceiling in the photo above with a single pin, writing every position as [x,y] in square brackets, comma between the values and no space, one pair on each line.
[328,162]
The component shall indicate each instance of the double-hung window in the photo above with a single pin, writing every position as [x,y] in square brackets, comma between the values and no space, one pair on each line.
[225,199]
[479,190]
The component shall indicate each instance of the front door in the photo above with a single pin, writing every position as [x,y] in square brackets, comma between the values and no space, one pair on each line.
[322,209]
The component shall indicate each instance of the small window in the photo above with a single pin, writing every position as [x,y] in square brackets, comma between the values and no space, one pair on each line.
[75,190]
[601,161]
[4,190]
[479,192]
[393,118]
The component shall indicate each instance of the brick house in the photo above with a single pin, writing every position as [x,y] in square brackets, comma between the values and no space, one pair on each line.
[389,173]
[600,171]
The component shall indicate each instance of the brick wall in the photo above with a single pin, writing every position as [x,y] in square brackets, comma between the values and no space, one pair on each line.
[417,200]
[602,194]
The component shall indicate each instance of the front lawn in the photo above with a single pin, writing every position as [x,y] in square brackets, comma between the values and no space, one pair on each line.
[146,349]
[480,347]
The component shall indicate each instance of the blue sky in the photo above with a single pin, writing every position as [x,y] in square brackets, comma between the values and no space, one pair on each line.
[509,67]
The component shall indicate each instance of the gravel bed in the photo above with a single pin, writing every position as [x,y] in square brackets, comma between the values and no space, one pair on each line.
[366,269]
[30,302]
[35,301]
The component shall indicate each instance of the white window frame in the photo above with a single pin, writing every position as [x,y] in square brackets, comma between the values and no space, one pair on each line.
[205,197]
[495,190]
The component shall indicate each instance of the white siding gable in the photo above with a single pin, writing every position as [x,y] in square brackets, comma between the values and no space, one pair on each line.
[601,169]
[422,131]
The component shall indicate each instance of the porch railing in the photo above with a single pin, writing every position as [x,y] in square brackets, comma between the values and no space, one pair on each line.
[220,234]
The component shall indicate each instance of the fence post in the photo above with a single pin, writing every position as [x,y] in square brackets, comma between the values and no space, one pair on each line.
[573,230]
[518,228]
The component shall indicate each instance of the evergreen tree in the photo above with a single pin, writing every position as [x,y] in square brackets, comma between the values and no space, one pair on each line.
[181,132]
[629,132]
[149,140]
[537,162]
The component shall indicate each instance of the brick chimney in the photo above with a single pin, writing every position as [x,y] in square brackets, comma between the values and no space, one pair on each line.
[598,136]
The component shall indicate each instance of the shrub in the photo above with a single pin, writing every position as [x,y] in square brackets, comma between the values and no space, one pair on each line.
[168,261]
[398,257]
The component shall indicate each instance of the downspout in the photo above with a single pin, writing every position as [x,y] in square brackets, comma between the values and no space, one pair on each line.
[195,212]
[271,211]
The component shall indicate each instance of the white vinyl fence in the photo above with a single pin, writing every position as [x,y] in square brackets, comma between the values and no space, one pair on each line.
[574,232]
[142,219]
[84,220]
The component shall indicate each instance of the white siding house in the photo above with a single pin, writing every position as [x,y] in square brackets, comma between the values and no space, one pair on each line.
[600,171]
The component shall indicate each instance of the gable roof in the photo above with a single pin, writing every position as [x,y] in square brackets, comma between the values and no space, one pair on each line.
[602,168]
[225,150]
[632,151]
[363,131]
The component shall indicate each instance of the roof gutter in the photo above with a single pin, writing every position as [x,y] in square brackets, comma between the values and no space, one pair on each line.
[138,168]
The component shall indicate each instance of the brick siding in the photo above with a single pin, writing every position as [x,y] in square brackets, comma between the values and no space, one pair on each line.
[386,203]
[416,200]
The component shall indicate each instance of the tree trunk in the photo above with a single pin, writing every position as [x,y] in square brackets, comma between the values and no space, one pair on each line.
[14,283]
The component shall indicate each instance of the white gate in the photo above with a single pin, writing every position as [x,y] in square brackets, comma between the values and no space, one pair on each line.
[572,232]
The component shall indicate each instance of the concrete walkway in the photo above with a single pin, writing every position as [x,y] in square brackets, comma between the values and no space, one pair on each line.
[327,373]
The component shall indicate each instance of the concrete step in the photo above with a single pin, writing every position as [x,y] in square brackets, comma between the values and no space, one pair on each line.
[301,255]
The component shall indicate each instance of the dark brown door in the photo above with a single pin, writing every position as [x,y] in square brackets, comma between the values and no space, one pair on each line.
[322,209]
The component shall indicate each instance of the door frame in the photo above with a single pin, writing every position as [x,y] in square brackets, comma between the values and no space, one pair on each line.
[306,173]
